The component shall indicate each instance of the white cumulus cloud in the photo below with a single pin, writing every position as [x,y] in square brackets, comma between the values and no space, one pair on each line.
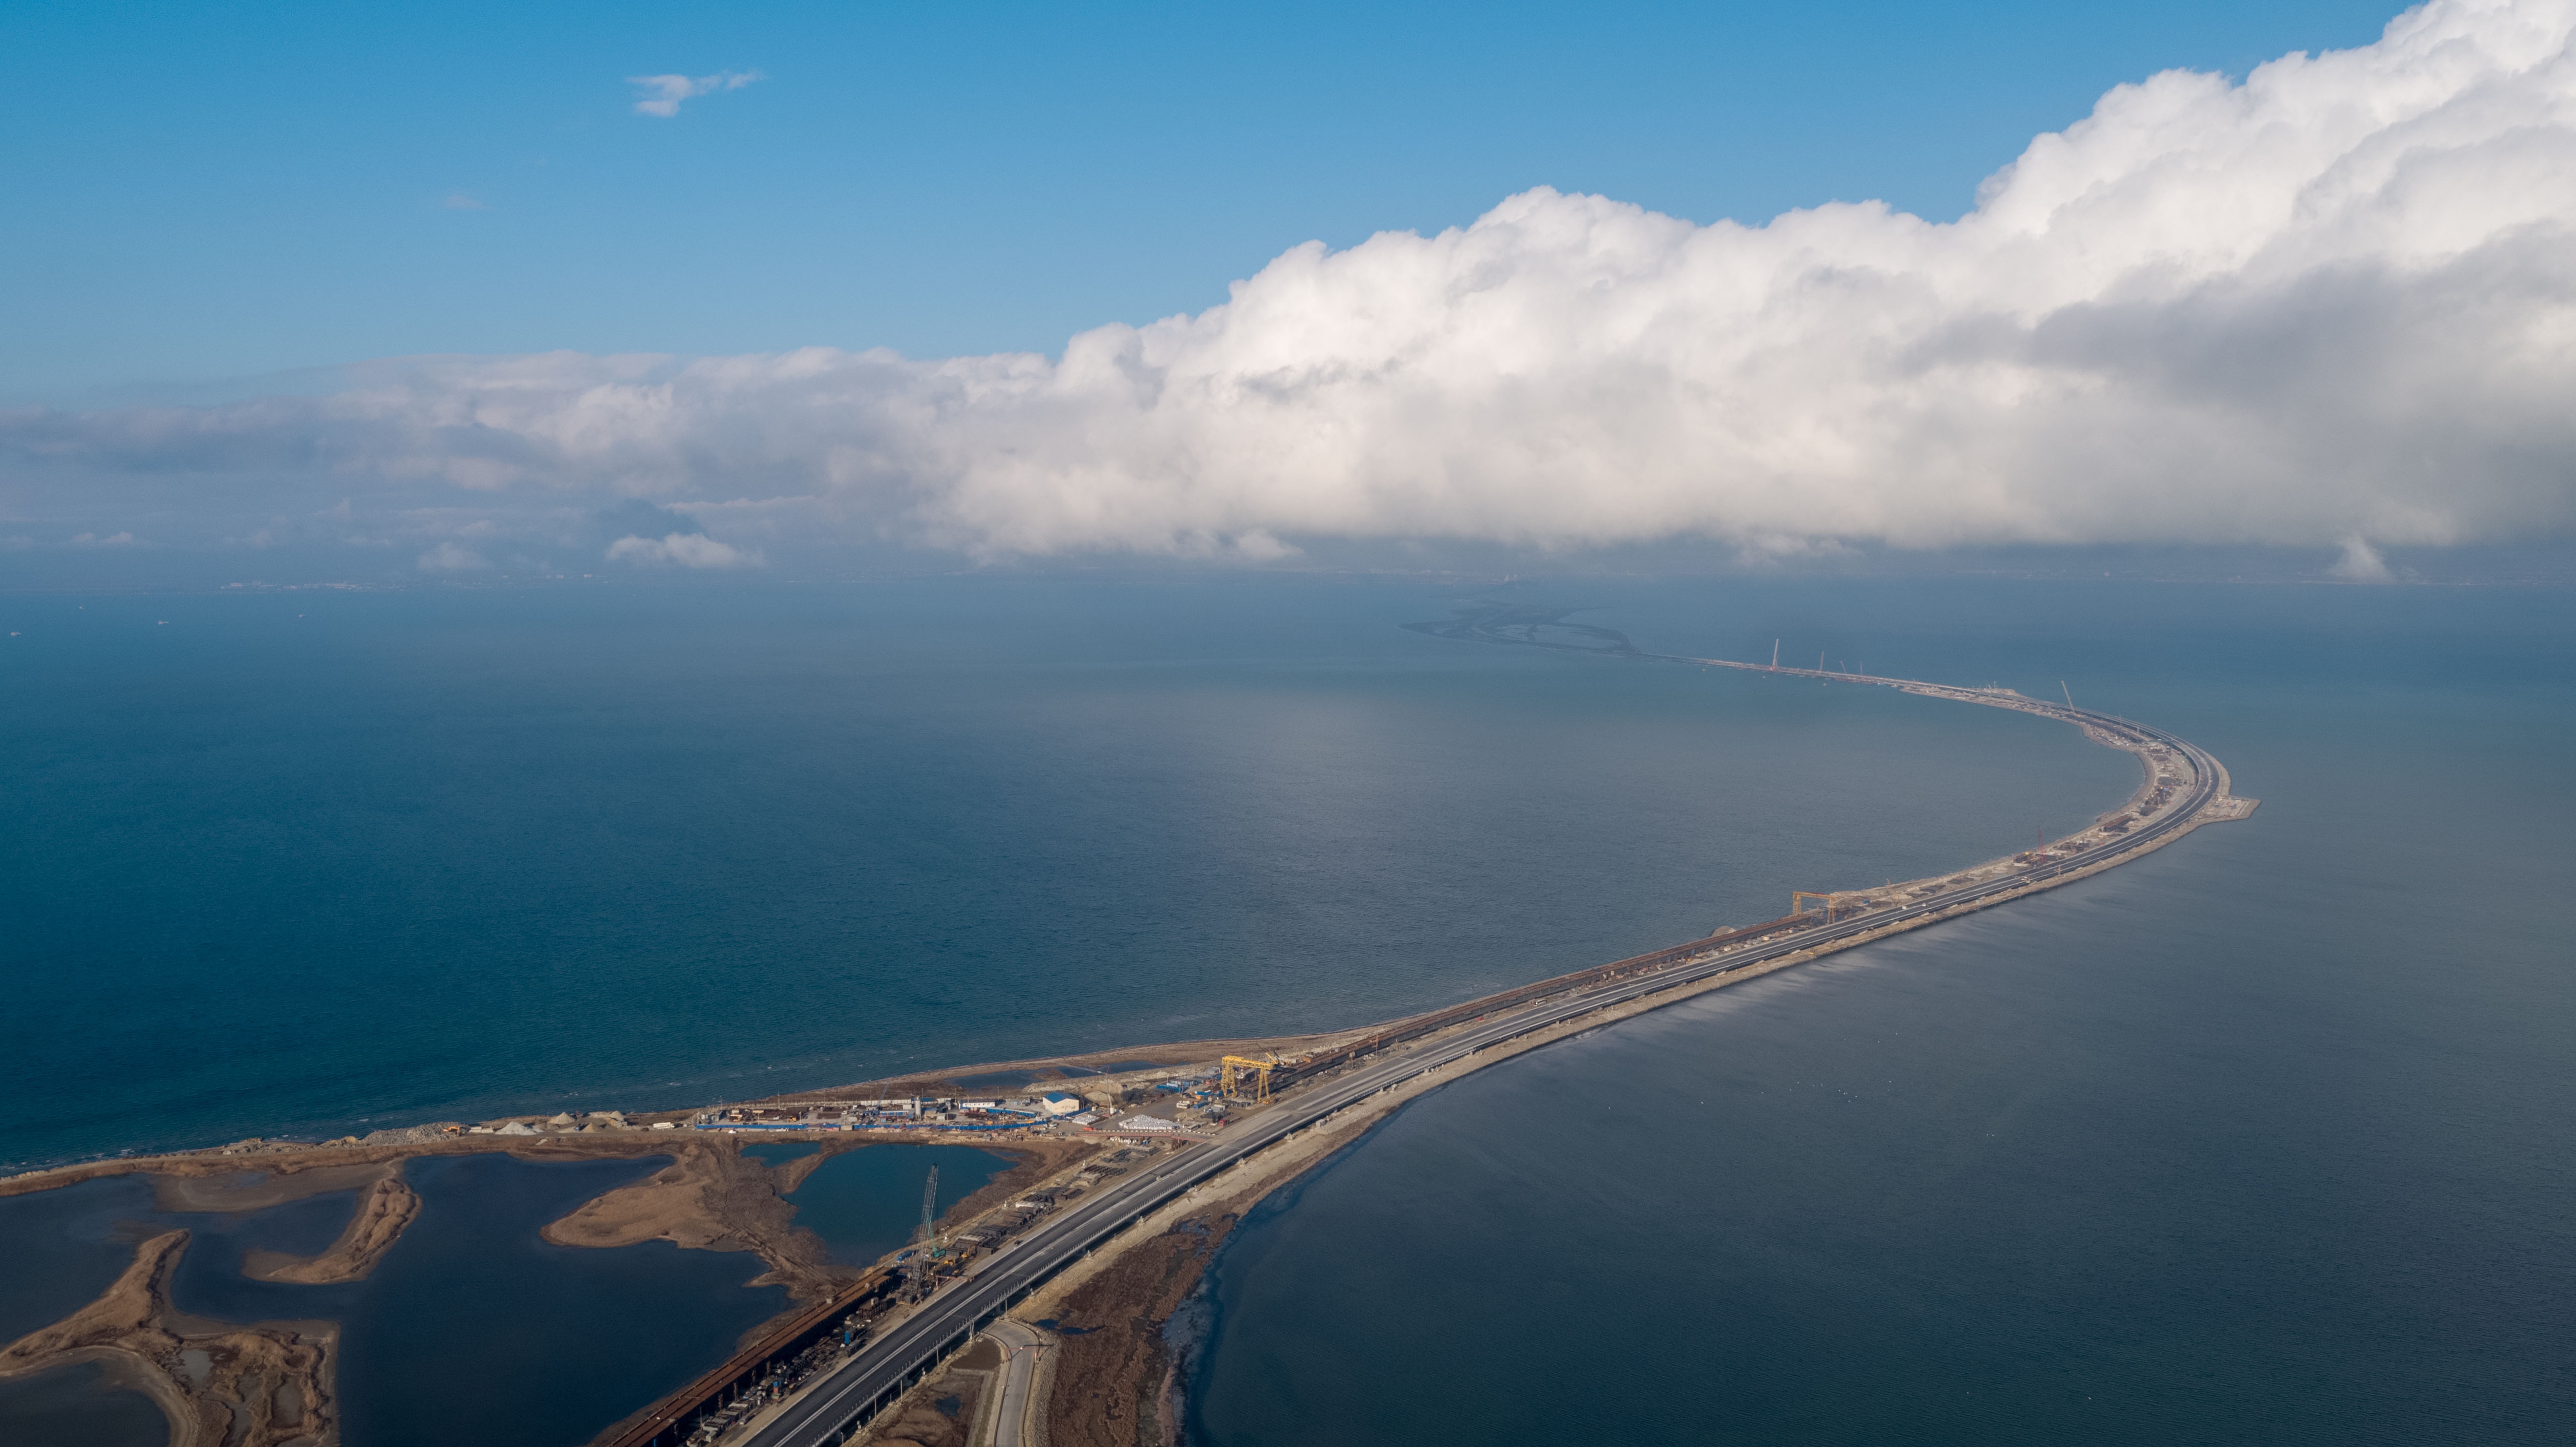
[2330,305]
[689,550]
[662,94]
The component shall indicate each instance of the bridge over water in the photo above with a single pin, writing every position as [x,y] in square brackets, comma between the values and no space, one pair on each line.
[840,1399]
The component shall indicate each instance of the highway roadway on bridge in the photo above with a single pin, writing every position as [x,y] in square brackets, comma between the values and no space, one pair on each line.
[873,1376]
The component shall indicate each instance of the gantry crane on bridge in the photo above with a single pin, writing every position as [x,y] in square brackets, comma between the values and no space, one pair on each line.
[1798,903]
[1245,1080]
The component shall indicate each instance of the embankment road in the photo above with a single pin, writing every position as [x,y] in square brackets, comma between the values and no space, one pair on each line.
[845,1397]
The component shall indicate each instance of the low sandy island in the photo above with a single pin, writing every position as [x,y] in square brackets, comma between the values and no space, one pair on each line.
[1108,1378]
[277,1377]
[219,1385]
[384,1209]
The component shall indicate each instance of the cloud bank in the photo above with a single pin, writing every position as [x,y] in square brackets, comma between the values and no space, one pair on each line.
[2333,305]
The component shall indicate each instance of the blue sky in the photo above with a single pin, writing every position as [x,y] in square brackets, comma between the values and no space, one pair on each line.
[204,192]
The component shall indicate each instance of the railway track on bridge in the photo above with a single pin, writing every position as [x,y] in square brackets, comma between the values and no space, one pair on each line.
[846,1396]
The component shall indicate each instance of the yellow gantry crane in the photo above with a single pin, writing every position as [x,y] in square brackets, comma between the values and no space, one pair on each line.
[1245,1080]
[1798,902]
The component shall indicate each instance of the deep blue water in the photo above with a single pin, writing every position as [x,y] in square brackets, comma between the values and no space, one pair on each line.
[317,862]
[2262,1139]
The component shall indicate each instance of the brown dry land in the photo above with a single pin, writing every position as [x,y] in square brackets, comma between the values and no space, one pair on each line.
[1111,1380]
[276,1377]
[1112,1372]
[1039,1159]
[240,1190]
[1108,1379]
[383,1211]
[208,1181]
[710,1198]
[944,1413]
[249,1386]
[714,1198]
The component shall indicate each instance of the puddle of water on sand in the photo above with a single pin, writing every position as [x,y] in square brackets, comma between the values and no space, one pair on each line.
[472,1328]
[774,1154]
[865,1203]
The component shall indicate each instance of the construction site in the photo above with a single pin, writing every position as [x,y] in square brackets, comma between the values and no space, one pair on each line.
[1113,1280]
[1053,1280]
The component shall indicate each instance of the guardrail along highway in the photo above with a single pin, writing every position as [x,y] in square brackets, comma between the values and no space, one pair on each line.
[844,1397]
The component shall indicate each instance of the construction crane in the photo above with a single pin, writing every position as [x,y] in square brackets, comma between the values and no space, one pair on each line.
[1244,1080]
[929,1200]
[923,1278]
[1798,902]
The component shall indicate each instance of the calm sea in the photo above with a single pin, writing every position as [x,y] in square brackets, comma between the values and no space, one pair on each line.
[2260,1139]
[2263,1139]
[321,862]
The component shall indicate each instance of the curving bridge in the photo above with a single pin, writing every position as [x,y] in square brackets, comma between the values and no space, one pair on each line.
[845,1397]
